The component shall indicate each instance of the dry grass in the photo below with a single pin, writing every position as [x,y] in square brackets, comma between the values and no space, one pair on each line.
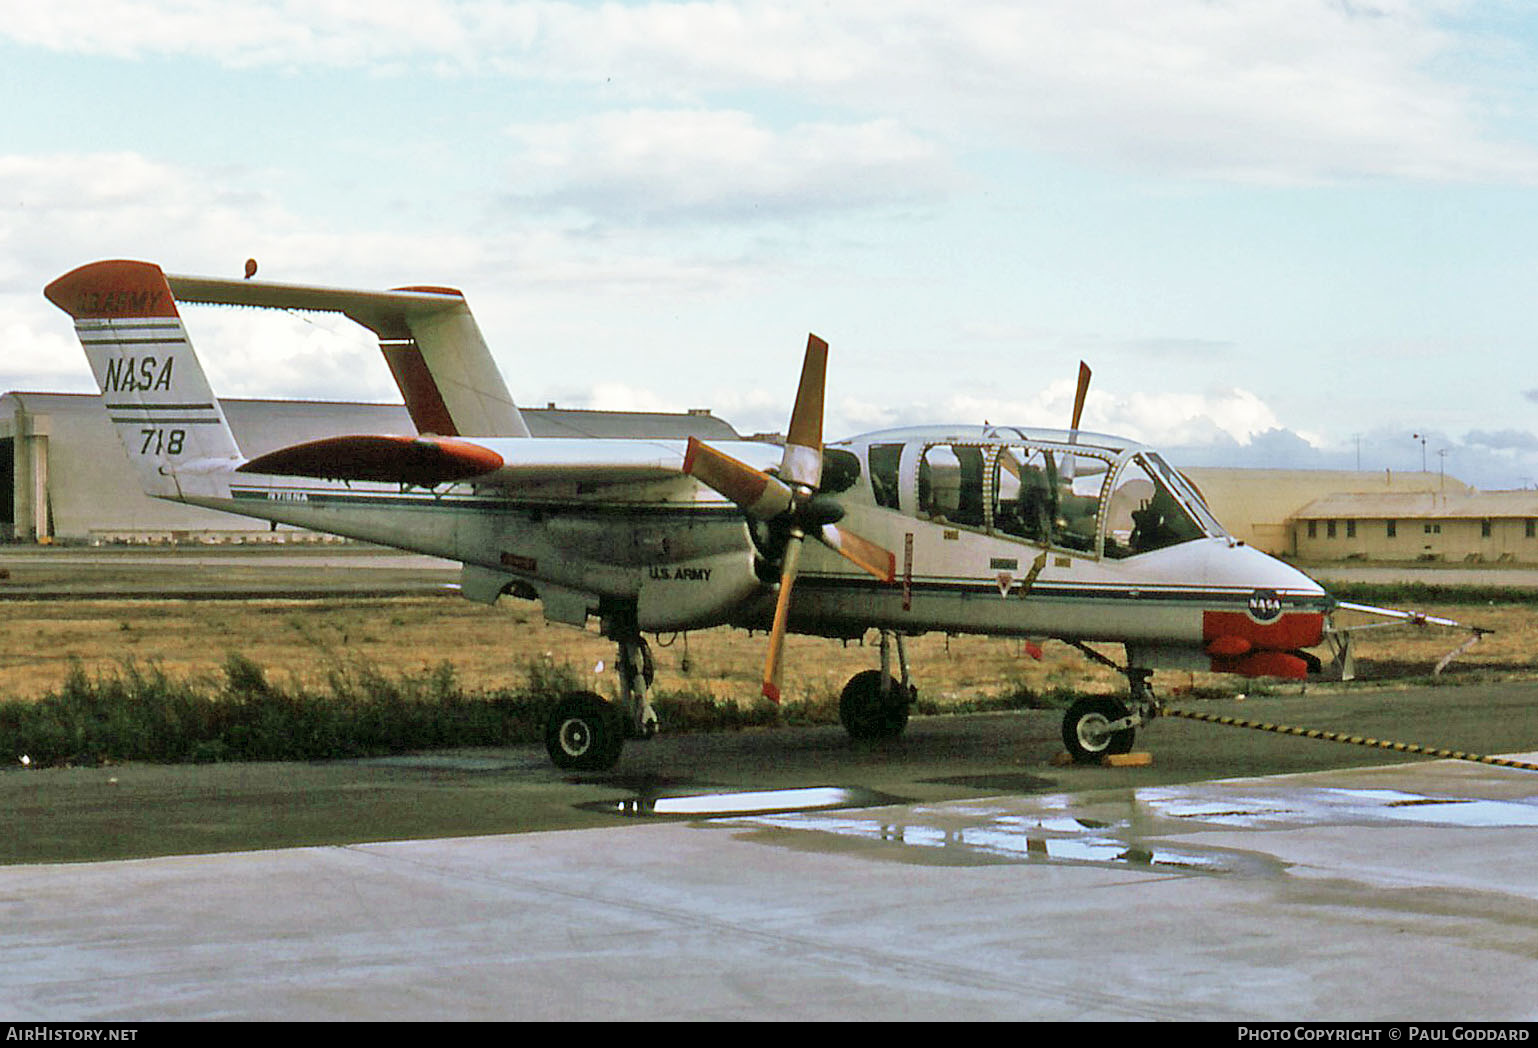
[303,641]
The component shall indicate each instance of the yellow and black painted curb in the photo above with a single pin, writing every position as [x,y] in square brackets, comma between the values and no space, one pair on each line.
[1353,740]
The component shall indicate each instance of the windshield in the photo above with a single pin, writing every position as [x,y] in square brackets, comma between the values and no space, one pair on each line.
[1152,507]
[1194,500]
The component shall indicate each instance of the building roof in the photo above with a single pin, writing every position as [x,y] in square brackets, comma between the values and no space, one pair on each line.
[1422,505]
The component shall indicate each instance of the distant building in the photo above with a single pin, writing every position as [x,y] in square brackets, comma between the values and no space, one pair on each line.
[63,475]
[1261,506]
[1473,527]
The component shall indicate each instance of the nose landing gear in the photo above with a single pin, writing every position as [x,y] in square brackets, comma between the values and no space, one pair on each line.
[1098,726]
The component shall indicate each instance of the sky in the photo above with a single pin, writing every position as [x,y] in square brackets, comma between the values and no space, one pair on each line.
[1298,233]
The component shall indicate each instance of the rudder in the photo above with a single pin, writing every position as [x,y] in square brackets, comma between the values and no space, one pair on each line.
[153,387]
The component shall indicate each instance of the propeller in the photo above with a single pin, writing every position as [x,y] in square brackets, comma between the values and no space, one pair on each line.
[1080,394]
[1070,467]
[787,499]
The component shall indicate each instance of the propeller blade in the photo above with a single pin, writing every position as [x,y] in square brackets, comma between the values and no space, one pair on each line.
[781,616]
[802,463]
[861,552]
[760,495]
[1080,394]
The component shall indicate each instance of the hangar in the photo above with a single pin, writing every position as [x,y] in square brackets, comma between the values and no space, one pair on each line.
[63,476]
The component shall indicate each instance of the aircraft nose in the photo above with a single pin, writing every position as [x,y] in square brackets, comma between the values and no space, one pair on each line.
[1261,571]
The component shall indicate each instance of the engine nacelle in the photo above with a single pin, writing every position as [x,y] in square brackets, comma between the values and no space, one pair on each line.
[694,594]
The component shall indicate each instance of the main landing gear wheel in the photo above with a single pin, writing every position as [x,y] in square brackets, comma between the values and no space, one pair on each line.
[867,714]
[584,733]
[1087,732]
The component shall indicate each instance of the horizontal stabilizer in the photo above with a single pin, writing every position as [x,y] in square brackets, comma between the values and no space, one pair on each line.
[429,338]
[385,313]
[418,461]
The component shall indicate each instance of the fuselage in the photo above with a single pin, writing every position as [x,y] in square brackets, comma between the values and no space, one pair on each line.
[966,529]
[995,530]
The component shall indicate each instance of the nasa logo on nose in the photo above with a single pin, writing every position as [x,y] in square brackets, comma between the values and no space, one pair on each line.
[1265,605]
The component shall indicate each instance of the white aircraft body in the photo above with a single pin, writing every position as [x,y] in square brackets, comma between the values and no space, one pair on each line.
[990,530]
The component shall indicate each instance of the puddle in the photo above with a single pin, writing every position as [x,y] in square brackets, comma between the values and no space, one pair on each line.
[754,802]
[1065,841]
[1443,811]
[1337,806]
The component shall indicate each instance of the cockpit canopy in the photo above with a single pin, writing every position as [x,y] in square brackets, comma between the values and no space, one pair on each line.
[1102,500]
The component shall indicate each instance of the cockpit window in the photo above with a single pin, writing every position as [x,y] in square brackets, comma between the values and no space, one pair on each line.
[840,469]
[1143,512]
[951,484]
[1047,496]
[885,464]
[1025,485]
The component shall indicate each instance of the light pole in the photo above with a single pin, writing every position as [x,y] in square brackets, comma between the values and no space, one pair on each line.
[1422,439]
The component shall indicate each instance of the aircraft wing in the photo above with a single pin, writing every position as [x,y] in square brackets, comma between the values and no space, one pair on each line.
[428,335]
[431,461]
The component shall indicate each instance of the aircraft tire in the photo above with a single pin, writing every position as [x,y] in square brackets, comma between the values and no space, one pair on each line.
[584,733]
[866,716]
[1083,729]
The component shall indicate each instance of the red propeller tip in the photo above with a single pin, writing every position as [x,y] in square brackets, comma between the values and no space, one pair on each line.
[772,693]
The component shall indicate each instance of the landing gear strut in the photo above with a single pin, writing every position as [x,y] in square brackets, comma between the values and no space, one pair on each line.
[874,706]
[587,732]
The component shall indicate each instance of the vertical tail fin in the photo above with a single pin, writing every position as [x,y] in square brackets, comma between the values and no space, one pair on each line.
[447,376]
[152,385]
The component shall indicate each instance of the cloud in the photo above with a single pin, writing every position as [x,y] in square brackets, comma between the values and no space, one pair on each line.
[68,208]
[1223,417]
[1294,92]
[250,33]
[710,165]
[1489,461]
[1504,439]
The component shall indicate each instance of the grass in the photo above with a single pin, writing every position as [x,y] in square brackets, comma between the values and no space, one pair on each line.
[89,681]
[133,712]
[142,713]
[1417,594]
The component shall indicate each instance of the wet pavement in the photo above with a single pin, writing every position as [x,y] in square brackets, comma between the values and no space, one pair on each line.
[779,874]
[1369,893]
